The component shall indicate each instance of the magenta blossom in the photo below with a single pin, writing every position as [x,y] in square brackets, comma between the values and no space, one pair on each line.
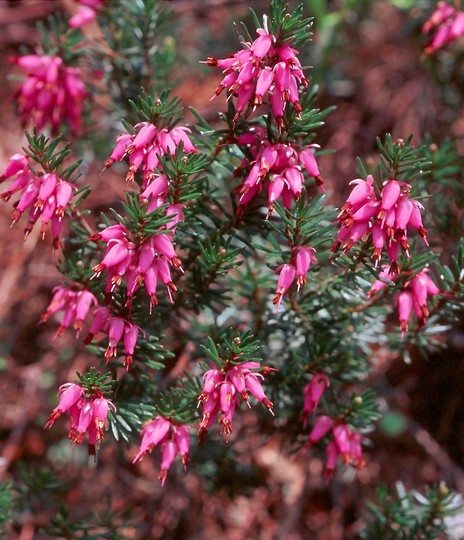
[313,392]
[143,148]
[384,221]
[413,299]
[221,389]
[119,331]
[75,305]
[264,69]
[344,443]
[286,276]
[86,13]
[52,94]
[70,395]
[44,196]
[303,257]
[145,263]
[86,416]
[278,168]
[174,439]
[446,24]
[382,283]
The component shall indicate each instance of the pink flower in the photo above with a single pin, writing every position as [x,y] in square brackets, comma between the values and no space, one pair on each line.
[139,263]
[84,15]
[86,12]
[313,392]
[182,440]
[44,196]
[380,284]
[168,454]
[84,300]
[131,333]
[85,416]
[16,163]
[405,304]
[286,277]
[220,394]
[322,426]
[75,304]
[70,394]
[446,23]
[143,148]
[152,433]
[308,160]
[384,220]
[332,452]
[304,256]
[344,442]
[414,298]
[174,439]
[100,317]
[91,420]
[277,167]
[263,69]
[52,94]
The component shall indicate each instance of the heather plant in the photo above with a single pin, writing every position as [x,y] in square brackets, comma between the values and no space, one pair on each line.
[225,280]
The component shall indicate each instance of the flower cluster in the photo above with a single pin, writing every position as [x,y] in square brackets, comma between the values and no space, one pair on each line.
[118,329]
[86,416]
[220,389]
[46,196]
[52,93]
[413,297]
[86,13]
[145,263]
[446,23]
[313,392]
[279,165]
[174,439]
[302,259]
[76,305]
[385,220]
[143,148]
[345,443]
[264,67]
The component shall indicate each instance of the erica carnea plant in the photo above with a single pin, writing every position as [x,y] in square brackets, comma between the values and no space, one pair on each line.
[225,279]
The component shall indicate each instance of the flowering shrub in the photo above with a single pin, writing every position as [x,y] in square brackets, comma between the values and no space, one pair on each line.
[226,249]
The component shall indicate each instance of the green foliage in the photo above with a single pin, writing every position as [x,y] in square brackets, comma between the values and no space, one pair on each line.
[232,350]
[44,151]
[163,111]
[400,160]
[310,119]
[58,39]
[289,26]
[141,49]
[137,220]
[106,524]
[6,505]
[410,515]
[35,488]
[444,183]
[94,383]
